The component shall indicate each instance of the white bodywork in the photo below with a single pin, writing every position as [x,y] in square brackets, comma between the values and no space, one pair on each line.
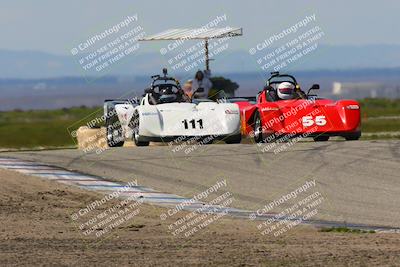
[174,120]
[187,119]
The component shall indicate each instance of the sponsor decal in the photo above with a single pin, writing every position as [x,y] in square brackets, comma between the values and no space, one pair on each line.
[269,109]
[229,111]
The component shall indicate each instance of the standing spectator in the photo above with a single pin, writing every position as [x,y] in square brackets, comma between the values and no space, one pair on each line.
[201,84]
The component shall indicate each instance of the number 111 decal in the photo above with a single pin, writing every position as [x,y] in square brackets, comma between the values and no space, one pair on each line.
[192,123]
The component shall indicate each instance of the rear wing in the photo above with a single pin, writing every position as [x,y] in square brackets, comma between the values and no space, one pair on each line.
[109,111]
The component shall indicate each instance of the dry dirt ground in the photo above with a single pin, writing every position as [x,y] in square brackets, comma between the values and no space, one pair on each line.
[37,229]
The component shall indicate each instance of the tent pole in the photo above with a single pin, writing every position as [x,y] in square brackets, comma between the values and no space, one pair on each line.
[207,58]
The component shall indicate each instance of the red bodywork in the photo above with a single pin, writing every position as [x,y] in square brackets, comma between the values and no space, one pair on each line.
[300,116]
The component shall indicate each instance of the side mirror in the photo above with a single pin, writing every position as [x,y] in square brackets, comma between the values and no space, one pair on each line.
[148,90]
[315,86]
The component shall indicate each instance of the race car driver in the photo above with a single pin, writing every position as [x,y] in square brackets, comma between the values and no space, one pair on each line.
[287,90]
[167,95]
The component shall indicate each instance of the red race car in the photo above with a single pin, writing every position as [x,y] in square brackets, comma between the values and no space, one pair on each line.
[283,110]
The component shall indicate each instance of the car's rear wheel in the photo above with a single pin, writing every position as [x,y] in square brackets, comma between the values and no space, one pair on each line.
[321,138]
[233,139]
[353,136]
[258,135]
[135,131]
[206,140]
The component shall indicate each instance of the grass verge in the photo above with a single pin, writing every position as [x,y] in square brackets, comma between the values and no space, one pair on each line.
[346,230]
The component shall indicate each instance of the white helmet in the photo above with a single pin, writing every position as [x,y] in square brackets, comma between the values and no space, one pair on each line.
[286,90]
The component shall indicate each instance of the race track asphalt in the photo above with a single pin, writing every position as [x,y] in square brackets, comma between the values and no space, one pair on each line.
[359,180]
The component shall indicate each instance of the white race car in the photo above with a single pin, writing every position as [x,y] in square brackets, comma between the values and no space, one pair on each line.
[165,114]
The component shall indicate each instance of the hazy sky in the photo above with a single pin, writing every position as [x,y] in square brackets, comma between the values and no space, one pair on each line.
[56,26]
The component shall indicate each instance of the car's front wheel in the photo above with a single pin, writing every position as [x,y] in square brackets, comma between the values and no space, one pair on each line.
[353,136]
[135,131]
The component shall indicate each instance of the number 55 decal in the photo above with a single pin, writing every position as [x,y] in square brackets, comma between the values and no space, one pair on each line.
[308,121]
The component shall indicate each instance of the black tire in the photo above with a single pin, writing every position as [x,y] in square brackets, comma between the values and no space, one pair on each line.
[233,139]
[135,131]
[353,136]
[258,135]
[206,140]
[321,138]
[114,140]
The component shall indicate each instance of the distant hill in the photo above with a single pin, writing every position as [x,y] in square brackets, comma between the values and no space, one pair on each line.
[36,65]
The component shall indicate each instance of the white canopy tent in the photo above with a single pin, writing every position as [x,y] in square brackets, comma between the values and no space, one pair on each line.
[193,34]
